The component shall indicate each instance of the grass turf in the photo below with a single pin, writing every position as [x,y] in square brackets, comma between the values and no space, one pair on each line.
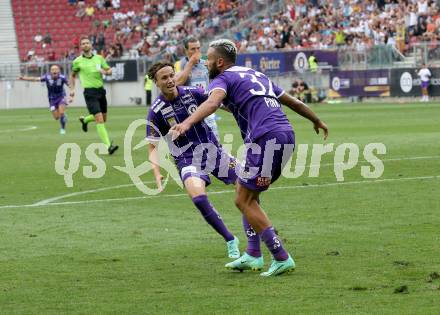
[118,251]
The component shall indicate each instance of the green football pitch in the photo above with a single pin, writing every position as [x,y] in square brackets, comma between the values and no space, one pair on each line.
[362,245]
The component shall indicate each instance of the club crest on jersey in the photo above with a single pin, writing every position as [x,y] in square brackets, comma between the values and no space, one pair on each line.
[192,108]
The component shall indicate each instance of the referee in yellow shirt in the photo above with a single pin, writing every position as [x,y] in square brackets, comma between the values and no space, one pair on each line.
[91,68]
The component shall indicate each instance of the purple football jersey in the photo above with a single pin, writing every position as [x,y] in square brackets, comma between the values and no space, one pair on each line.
[55,87]
[253,100]
[164,114]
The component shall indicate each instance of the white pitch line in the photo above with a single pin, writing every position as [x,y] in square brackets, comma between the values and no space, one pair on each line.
[47,201]
[50,200]
[22,129]
[226,191]
[427,157]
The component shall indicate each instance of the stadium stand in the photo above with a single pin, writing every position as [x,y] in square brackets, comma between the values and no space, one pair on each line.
[50,29]
[357,24]
[8,46]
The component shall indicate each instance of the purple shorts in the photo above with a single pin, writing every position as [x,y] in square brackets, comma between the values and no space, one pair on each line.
[218,163]
[54,103]
[425,84]
[265,159]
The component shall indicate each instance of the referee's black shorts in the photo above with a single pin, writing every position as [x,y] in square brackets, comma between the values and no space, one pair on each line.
[95,100]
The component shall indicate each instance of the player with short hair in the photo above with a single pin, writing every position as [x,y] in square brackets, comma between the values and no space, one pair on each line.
[91,68]
[55,82]
[194,73]
[193,154]
[255,103]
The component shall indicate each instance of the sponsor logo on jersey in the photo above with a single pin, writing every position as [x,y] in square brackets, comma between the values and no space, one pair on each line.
[166,110]
[157,106]
[171,121]
[188,99]
[192,108]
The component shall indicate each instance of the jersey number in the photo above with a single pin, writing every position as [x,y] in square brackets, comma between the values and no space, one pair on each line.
[261,88]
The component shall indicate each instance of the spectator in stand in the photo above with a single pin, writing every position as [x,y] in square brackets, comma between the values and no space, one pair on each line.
[51,56]
[194,7]
[111,54]
[75,42]
[47,38]
[96,24]
[90,11]
[170,7]
[38,38]
[70,55]
[107,4]
[81,12]
[93,39]
[100,42]
[106,23]
[116,4]
[100,4]
[179,4]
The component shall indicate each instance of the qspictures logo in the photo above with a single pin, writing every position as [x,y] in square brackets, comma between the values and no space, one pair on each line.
[346,156]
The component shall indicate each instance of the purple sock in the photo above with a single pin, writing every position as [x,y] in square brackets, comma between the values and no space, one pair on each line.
[253,245]
[63,121]
[212,217]
[274,245]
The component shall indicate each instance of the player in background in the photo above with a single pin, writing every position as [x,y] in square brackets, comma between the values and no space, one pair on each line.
[193,72]
[425,76]
[55,82]
[255,103]
[91,68]
[173,105]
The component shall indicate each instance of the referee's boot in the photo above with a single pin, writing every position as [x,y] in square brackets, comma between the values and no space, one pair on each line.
[112,148]
[83,124]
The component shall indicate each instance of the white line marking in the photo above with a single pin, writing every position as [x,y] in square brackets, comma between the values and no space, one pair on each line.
[226,191]
[22,129]
[428,157]
[47,201]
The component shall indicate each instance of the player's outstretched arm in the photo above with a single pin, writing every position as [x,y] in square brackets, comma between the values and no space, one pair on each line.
[204,110]
[154,159]
[302,109]
[31,79]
